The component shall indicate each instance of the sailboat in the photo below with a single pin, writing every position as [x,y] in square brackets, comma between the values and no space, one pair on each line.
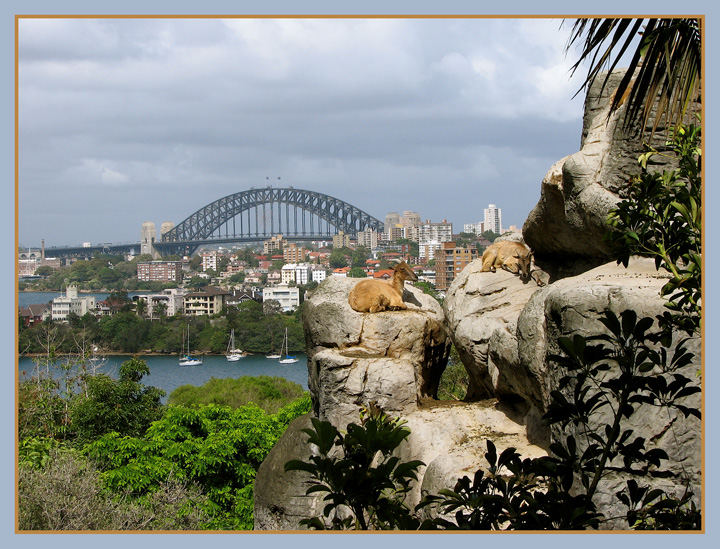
[187,359]
[232,354]
[288,359]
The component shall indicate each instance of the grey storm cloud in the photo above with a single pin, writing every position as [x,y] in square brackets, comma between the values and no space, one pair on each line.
[124,121]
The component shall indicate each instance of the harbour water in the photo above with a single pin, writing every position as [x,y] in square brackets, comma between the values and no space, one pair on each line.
[165,373]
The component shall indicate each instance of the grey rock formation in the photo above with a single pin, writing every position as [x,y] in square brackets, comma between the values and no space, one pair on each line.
[395,358]
[480,307]
[580,190]
[505,331]
[574,306]
[280,500]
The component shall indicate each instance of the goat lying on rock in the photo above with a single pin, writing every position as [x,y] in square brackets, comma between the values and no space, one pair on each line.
[512,256]
[372,296]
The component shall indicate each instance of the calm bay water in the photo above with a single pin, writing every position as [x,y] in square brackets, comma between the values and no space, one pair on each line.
[165,373]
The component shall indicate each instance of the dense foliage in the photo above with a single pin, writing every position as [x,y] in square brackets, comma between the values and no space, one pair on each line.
[269,393]
[216,447]
[101,272]
[65,493]
[661,217]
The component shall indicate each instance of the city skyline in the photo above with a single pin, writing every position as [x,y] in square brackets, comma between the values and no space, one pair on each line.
[127,121]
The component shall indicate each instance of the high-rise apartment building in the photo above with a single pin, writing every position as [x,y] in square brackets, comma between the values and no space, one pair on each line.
[441,232]
[341,240]
[493,219]
[368,238]
[410,219]
[209,260]
[391,219]
[160,271]
[292,253]
[275,244]
[450,261]
[474,228]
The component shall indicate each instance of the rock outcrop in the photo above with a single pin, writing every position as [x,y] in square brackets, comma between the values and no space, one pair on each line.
[505,331]
[394,358]
[580,190]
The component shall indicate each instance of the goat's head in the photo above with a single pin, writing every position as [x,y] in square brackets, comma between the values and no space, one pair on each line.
[403,270]
[524,260]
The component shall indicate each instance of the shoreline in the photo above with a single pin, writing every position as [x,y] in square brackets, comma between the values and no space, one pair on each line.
[120,353]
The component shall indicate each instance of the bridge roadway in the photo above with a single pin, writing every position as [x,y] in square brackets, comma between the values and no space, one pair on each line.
[169,248]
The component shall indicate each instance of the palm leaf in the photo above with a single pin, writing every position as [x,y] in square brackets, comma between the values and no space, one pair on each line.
[664,73]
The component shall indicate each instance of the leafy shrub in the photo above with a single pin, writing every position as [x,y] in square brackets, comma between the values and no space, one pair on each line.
[366,485]
[216,447]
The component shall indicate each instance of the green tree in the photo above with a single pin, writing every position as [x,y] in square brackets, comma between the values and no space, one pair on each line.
[124,406]
[141,307]
[337,259]
[357,272]
[661,217]
[44,271]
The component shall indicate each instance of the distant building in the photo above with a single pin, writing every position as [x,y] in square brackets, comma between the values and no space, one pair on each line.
[275,244]
[341,240]
[412,233]
[209,301]
[493,219]
[318,274]
[435,232]
[391,220]
[474,228]
[294,254]
[34,314]
[410,219]
[450,261]
[287,296]
[368,238]
[426,250]
[172,298]
[148,235]
[160,271]
[62,306]
[209,261]
[396,232]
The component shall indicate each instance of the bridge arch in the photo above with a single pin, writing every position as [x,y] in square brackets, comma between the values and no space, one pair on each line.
[258,214]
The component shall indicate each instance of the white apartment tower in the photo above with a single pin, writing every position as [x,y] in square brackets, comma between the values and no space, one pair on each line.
[493,219]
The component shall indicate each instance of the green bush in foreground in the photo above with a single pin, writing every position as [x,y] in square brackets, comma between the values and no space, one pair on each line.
[216,447]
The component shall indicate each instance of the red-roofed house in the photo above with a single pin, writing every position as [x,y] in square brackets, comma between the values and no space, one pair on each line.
[383,274]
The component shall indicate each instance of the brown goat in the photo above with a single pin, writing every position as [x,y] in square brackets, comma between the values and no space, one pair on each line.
[509,255]
[372,296]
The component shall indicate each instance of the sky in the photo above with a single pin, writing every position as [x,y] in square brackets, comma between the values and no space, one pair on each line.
[123,121]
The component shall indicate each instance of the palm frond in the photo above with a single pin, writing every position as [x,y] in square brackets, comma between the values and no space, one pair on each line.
[664,73]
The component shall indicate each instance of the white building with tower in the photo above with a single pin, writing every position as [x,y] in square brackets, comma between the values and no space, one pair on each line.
[62,306]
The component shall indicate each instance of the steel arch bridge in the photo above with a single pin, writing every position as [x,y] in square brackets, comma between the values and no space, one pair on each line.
[258,214]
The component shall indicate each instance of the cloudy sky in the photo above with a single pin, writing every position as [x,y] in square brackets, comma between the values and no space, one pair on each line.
[126,121]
